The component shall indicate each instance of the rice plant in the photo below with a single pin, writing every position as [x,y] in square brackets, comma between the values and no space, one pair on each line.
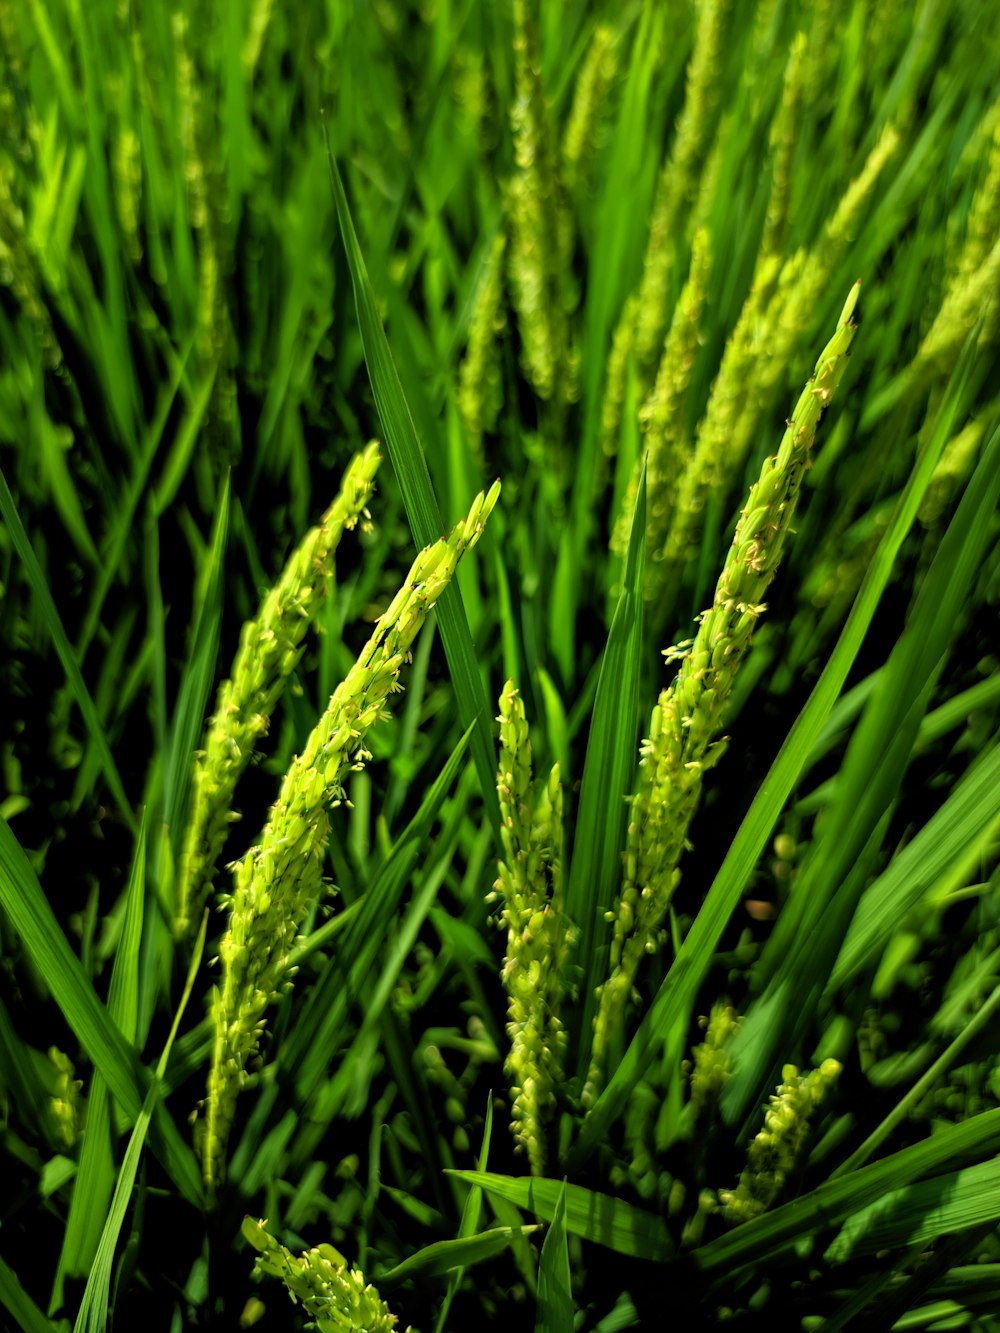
[330,998]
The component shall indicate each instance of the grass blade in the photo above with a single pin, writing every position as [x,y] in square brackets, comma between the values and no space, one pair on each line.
[18,1303]
[410,468]
[555,1295]
[471,1213]
[446,1255]
[95,1175]
[600,1218]
[94,1308]
[962,820]
[595,867]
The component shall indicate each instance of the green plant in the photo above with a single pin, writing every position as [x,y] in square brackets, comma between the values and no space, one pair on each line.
[594,250]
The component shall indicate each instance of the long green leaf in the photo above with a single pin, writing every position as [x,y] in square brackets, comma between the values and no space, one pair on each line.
[192,698]
[600,1218]
[554,1297]
[922,1212]
[445,1255]
[422,511]
[94,1308]
[595,868]
[19,1304]
[95,1175]
[471,1213]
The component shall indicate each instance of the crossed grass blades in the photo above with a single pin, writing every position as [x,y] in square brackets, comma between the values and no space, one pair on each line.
[594,250]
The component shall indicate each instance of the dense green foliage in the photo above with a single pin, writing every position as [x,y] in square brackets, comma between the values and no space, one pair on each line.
[721,1030]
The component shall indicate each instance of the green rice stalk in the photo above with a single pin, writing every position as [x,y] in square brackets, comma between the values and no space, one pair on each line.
[266,657]
[661,417]
[190,101]
[197,40]
[782,140]
[253,41]
[616,376]
[981,225]
[127,180]
[954,466]
[335,1296]
[644,318]
[888,24]
[590,96]
[541,229]
[764,38]
[20,269]
[682,744]
[833,587]
[538,939]
[639,1169]
[970,297]
[679,179]
[276,881]
[474,97]
[777,1150]
[480,384]
[781,302]
[822,49]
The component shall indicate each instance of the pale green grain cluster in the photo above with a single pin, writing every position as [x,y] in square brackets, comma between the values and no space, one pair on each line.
[541,229]
[589,100]
[268,652]
[335,1296]
[777,1150]
[679,178]
[276,881]
[66,1105]
[474,97]
[662,421]
[126,170]
[639,1132]
[710,1062]
[538,939]
[781,301]
[480,383]
[190,108]
[683,741]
